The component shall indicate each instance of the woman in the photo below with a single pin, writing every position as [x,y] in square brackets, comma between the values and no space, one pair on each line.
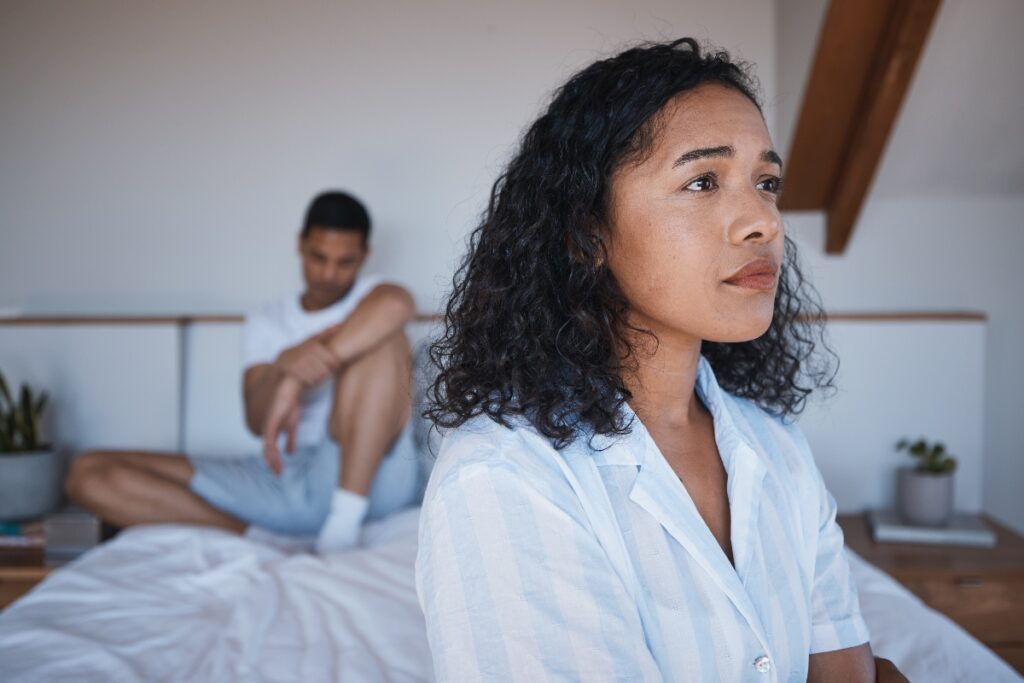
[620,493]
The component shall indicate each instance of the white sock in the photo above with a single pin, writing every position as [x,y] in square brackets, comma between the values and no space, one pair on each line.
[344,522]
[283,542]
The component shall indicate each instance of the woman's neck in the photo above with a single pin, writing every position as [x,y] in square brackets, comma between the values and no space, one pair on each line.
[662,380]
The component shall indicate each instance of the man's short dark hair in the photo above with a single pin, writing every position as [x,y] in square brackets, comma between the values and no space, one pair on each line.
[337,211]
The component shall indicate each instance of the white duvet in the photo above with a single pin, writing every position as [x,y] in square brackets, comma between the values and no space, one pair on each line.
[175,603]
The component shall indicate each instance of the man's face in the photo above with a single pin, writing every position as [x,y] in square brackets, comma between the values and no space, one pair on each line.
[331,259]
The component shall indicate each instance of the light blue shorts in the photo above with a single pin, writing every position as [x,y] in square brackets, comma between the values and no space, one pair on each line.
[297,502]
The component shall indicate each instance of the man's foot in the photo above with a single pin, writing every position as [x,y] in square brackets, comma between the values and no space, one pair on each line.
[344,523]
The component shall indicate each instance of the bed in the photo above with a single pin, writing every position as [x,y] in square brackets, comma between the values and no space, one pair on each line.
[179,603]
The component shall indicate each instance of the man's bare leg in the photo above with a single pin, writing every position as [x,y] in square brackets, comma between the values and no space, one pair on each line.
[127,488]
[372,404]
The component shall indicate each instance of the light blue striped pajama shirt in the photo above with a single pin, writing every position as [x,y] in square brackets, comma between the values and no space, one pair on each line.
[593,563]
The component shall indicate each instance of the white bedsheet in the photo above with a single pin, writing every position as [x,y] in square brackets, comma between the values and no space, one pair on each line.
[175,603]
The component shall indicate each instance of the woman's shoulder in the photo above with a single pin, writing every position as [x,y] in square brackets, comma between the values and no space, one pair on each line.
[779,436]
[775,434]
[511,452]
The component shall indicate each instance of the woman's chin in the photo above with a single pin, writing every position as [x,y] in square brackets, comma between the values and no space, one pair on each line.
[742,331]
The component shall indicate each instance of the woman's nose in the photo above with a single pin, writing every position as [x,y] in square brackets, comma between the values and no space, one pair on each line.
[756,218]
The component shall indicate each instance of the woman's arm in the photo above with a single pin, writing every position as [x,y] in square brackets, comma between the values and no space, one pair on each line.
[840,649]
[515,586]
[849,665]
[852,665]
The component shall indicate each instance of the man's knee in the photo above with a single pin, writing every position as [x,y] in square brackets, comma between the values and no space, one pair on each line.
[393,353]
[85,473]
[388,365]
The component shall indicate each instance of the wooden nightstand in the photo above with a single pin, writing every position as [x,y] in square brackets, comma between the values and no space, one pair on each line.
[981,589]
[41,545]
[16,581]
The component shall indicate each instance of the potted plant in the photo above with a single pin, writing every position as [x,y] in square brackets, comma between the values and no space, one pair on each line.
[925,490]
[29,469]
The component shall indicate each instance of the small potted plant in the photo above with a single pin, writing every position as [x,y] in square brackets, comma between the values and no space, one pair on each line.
[29,469]
[925,490]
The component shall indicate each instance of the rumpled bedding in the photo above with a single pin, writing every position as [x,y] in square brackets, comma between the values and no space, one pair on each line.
[180,603]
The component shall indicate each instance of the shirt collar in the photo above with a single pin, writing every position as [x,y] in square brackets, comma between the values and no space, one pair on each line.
[635,447]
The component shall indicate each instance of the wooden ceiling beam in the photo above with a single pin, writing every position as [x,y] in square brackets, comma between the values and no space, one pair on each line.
[838,77]
[866,56]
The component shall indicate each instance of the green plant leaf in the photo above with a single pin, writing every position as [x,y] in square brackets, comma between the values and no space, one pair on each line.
[28,419]
[5,393]
[14,424]
[6,433]
[21,420]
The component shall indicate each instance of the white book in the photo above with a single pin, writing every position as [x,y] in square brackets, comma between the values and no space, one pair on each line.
[963,529]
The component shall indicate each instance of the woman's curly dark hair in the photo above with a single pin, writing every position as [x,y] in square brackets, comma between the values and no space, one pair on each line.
[536,324]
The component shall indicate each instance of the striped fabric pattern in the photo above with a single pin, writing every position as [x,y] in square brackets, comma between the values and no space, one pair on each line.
[518,583]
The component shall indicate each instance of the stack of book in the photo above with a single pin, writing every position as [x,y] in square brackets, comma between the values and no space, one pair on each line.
[55,539]
[22,544]
[963,529]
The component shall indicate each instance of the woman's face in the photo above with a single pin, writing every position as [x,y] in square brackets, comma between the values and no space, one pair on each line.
[700,207]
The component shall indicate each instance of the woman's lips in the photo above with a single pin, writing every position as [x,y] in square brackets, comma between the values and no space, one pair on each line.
[760,281]
[759,274]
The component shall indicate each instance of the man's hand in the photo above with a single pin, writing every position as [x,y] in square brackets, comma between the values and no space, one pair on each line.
[282,417]
[310,362]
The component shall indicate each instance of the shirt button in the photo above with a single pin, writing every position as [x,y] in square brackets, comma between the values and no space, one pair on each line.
[763,664]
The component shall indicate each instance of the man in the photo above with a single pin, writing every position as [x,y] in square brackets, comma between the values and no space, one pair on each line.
[328,377]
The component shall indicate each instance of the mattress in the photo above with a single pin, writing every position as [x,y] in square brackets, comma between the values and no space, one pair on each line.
[180,603]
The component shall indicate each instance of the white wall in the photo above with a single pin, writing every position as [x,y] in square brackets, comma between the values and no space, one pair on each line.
[157,157]
[108,385]
[952,254]
[899,379]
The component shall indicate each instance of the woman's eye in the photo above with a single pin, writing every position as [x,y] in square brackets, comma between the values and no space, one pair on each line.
[702,184]
[772,184]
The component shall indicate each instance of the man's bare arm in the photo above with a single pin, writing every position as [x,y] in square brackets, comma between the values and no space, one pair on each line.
[382,313]
[258,385]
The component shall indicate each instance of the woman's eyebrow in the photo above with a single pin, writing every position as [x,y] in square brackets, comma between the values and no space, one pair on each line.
[768,155]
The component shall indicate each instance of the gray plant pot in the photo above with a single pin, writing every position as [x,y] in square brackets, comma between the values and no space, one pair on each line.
[923,498]
[29,484]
